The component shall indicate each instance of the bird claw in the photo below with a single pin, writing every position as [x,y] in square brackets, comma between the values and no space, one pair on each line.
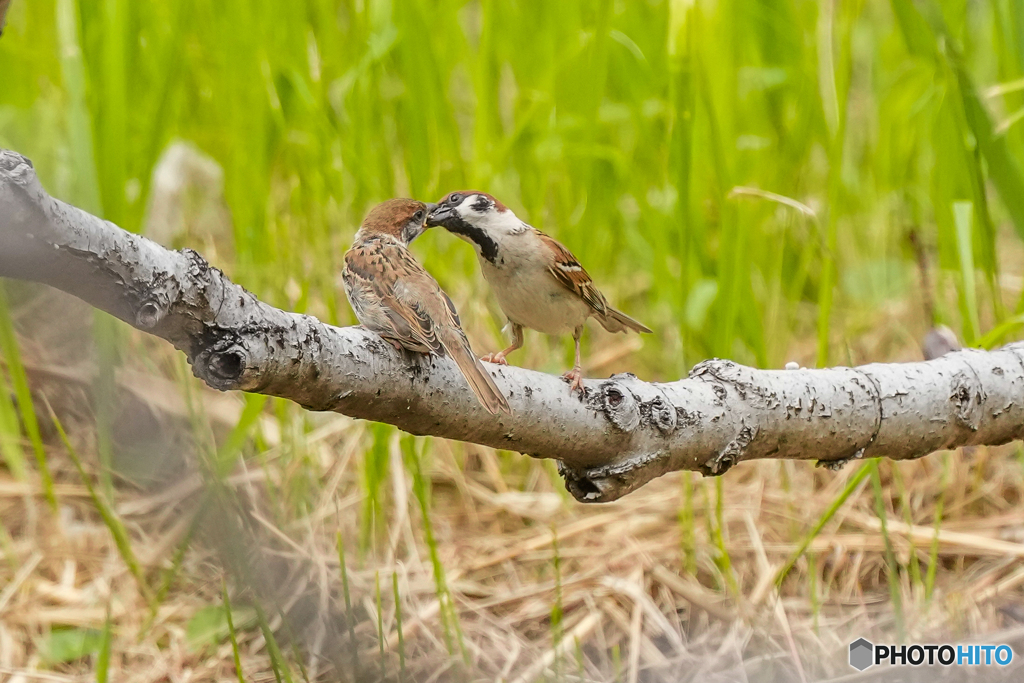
[498,358]
[575,376]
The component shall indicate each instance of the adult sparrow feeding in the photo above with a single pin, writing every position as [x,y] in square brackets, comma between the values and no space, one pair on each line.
[395,297]
[538,282]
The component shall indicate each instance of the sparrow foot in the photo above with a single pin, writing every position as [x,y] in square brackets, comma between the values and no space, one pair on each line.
[575,376]
[497,357]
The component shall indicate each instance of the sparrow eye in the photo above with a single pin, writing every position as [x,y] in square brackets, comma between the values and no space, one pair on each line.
[454,198]
[418,216]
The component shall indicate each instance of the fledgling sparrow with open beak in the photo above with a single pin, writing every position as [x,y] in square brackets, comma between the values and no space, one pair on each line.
[538,282]
[394,296]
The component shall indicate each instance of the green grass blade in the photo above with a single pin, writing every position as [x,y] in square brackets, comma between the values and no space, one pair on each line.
[375,472]
[1000,332]
[557,609]
[687,526]
[349,616]
[904,495]
[104,392]
[282,672]
[890,555]
[916,32]
[380,626]
[103,657]
[933,552]
[171,573]
[835,89]
[1002,165]
[963,213]
[84,190]
[421,489]
[23,395]
[107,513]
[922,35]
[723,559]
[236,439]
[10,434]
[110,115]
[231,632]
[851,487]
[398,626]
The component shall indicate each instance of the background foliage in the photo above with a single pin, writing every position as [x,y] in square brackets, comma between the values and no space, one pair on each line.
[621,127]
[742,175]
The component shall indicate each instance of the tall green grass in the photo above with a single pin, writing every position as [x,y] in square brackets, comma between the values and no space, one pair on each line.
[620,127]
[412,456]
[110,517]
[22,394]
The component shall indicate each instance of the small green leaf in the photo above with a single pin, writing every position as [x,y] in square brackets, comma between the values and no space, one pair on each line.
[209,626]
[70,644]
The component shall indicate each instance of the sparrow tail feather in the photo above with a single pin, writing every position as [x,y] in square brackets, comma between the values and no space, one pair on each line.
[479,380]
[617,321]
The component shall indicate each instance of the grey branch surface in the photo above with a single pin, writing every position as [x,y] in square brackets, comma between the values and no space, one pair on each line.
[620,435]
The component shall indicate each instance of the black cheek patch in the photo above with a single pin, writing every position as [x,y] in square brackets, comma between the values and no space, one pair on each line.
[488,247]
[481,204]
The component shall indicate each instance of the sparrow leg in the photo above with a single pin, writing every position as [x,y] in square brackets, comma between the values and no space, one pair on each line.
[517,343]
[576,374]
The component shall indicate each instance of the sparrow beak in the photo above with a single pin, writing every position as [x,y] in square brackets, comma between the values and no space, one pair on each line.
[439,215]
[431,208]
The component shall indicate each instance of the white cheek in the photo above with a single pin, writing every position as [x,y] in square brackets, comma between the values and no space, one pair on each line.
[501,223]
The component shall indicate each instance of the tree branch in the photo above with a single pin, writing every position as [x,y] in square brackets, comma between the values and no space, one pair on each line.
[620,435]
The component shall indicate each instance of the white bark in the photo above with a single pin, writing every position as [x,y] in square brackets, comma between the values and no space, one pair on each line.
[622,434]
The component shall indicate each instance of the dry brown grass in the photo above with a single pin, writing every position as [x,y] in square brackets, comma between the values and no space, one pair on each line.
[642,590]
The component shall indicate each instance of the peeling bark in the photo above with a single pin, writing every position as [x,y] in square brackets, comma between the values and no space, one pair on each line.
[621,434]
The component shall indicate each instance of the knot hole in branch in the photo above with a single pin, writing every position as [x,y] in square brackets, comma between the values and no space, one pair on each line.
[150,313]
[620,406]
[629,403]
[967,397]
[227,366]
[222,365]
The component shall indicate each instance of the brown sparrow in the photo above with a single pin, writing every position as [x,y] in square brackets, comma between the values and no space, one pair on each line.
[538,282]
[395,297]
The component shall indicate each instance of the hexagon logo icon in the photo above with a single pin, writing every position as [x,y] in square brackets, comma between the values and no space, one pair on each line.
[861,654]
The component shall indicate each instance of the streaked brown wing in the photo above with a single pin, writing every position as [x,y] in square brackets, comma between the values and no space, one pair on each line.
[571,274]
[393,295]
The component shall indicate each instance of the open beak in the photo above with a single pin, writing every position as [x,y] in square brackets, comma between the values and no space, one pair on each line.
[431,208]
[413,230]
[439,215]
